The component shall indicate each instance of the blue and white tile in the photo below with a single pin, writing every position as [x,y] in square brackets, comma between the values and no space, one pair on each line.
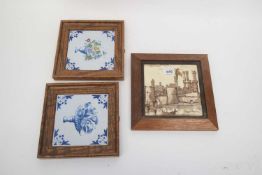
[81,120]
[91,50]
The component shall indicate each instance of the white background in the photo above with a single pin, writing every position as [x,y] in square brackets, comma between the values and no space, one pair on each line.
[229,31]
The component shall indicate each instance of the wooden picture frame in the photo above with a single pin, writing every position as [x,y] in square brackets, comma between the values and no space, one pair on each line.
[90,50]
[79,120]
[172,106]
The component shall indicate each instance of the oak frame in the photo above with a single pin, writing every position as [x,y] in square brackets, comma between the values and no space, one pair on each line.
[141,122]
[45,149]
[60,73]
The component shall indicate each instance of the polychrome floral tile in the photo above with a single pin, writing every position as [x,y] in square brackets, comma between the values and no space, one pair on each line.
[91,50]
[81,119]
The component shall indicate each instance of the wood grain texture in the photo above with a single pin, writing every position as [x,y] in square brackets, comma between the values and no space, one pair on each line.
[45,149]
[141,122]
[60,73]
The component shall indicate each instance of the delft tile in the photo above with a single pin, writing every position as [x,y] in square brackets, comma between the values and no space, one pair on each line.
[90,50]
[81,120]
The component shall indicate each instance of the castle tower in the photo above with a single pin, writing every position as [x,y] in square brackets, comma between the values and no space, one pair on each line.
[171,95]
[187,80]
[194,83]
[194,75]
[187,77]
[152,95]
[184,79]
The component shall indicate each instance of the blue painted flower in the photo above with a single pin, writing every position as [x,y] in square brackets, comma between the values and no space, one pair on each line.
[109,65]
[71,66]
[59,139]
[102,139]
[62,100]
[110,34]
[74,34]
[102,99]
[85,118]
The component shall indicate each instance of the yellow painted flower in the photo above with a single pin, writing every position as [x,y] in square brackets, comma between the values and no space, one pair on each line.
[96,48]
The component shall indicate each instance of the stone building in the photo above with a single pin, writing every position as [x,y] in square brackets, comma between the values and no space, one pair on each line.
[159,95]
[189,85]
[171,94]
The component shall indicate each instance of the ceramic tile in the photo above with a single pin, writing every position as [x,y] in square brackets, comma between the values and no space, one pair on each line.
[80,120]
[91,50]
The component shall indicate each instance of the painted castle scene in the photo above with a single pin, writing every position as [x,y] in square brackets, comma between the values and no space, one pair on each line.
[171,90]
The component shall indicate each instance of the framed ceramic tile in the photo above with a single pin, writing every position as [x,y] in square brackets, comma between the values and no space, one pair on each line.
[172,92]
[90,50]
[79,120]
